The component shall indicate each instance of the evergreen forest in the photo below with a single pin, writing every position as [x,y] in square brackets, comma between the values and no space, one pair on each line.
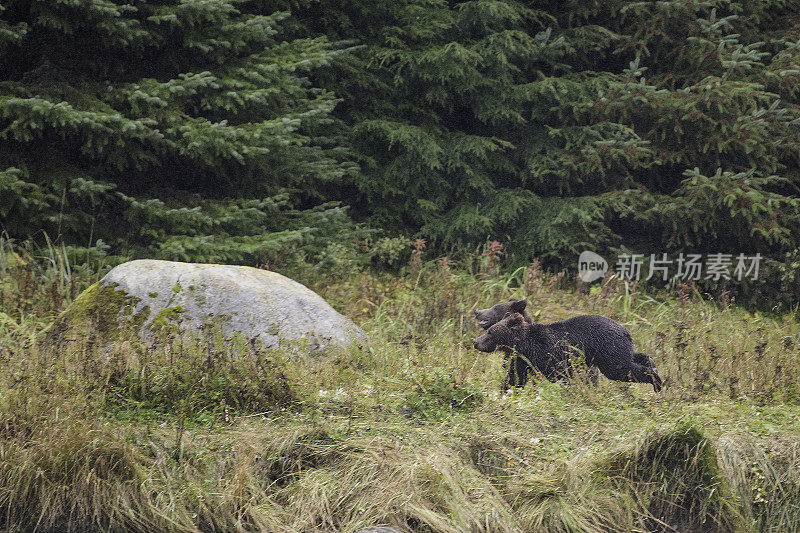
[285,132]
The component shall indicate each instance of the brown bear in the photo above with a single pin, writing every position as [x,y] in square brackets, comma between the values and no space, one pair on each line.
[489,317]
[548,347]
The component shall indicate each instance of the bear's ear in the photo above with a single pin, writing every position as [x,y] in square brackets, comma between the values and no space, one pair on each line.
[519,306]
[513,319]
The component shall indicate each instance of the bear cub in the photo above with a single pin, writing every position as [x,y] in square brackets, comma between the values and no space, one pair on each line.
[547,348]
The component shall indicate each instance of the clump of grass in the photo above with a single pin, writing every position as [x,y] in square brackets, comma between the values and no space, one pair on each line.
[60,472]
[677,476]
[562,499]
[766,482]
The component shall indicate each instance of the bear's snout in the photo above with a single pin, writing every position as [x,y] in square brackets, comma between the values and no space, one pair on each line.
[480,317]
[476,343]
[483,344]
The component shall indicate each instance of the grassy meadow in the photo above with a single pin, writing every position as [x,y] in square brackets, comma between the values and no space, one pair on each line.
[413,431]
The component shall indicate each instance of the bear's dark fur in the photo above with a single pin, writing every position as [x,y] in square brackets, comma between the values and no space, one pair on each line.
[489,317]
[547,347]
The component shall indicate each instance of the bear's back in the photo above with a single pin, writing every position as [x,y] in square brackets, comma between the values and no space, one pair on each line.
[593,335]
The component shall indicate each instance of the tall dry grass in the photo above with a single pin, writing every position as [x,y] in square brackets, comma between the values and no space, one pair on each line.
[413,432]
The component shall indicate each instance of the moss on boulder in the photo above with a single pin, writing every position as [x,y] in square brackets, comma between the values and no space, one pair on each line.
[101,310]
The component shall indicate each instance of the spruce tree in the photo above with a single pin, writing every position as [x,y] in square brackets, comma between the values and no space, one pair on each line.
[651,126]
[181,129]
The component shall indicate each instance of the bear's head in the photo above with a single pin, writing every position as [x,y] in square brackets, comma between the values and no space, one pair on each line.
[489,317]
[647,367]
[507,332]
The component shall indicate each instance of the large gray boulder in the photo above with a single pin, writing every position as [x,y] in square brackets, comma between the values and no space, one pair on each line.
[156,298]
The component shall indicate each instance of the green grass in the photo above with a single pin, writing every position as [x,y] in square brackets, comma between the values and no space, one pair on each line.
[412,432]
